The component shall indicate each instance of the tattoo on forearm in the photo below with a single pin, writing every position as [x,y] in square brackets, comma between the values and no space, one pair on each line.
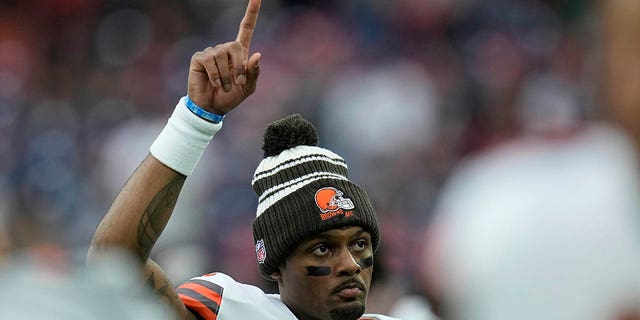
[156,215]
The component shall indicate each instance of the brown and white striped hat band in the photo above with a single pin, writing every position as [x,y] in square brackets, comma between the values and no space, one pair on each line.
[279,176]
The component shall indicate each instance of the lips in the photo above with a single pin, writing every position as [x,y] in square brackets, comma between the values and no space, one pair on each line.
[349,289]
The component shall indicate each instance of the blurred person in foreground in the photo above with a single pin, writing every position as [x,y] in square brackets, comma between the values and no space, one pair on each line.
[540,229]
[548,225]
[315,232]
[39,281]
[33,290]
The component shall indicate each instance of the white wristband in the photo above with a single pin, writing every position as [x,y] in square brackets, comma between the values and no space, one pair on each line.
[183,140]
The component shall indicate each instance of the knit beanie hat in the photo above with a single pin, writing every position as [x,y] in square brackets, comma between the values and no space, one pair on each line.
[302,190]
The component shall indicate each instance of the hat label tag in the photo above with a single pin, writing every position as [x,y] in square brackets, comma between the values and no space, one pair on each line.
[261,251]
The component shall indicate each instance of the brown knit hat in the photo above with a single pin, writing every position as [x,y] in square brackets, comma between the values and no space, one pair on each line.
[302,190]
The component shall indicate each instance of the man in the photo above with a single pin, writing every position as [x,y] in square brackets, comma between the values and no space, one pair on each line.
[315,231]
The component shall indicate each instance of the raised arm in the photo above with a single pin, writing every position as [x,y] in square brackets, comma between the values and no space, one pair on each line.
[220,78]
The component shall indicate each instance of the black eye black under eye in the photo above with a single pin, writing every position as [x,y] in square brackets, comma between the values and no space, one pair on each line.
[318,271]
[366,262]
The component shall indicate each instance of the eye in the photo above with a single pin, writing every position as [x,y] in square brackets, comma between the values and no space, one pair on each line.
[360,245]
[320,250]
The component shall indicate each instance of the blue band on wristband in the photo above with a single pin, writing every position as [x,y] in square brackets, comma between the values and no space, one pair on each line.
[204,114]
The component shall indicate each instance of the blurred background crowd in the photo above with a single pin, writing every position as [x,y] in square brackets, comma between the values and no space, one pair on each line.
[404,90]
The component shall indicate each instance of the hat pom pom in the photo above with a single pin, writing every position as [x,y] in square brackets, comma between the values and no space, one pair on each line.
[287,133]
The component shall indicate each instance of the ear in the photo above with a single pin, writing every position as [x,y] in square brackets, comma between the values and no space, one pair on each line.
[276,276]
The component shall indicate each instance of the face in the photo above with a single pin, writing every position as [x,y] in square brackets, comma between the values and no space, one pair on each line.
[328,276]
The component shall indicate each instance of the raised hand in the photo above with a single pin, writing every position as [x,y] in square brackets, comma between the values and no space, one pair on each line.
[221,77]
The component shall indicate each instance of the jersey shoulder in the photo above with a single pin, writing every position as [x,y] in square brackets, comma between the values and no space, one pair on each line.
[218,296]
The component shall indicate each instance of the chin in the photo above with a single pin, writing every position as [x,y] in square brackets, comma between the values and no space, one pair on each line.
[350,311]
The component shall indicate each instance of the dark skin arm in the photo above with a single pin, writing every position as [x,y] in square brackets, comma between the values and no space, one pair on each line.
[135,221]
[220,78]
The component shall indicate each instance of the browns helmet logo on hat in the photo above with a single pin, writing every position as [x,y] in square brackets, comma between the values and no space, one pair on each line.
[331,203]
[331,199]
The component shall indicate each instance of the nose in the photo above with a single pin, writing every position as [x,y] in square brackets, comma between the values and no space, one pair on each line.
[346,265]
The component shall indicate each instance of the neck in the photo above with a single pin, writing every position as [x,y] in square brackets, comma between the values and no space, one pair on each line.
[300,315]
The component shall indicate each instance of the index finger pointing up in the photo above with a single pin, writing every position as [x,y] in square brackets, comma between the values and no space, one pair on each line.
[248,23]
